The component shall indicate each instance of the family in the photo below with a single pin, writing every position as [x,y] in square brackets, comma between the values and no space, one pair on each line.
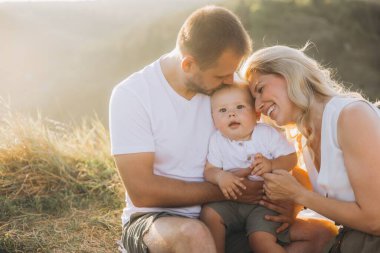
[202,173]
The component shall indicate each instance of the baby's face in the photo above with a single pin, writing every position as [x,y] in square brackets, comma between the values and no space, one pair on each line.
[233,114]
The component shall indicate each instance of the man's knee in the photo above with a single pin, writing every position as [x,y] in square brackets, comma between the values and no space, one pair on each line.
[179,235]
[194,236]
[194,230]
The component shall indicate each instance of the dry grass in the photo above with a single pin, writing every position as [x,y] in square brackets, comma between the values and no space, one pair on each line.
[59,190]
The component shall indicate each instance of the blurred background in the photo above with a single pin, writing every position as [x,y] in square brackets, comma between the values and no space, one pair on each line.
[62,58]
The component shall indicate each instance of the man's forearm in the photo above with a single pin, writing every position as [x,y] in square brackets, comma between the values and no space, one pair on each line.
[149,190]
[167,192]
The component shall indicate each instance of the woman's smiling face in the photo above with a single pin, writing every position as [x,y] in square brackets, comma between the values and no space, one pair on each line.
[271,98]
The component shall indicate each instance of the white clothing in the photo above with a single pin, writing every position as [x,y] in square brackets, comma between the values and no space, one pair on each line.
[310,214]
[332,179]
[147,115]
[229,154]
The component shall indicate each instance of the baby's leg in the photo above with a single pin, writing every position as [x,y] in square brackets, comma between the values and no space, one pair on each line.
[264,242]
[215,224]
[262,233]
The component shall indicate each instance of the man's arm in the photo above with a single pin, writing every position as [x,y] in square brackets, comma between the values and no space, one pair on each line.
[148,190]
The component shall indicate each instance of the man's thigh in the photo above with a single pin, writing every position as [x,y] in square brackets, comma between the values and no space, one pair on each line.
[135,230]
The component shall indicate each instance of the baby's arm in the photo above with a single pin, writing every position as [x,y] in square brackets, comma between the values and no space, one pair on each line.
[228,183]
[263,165]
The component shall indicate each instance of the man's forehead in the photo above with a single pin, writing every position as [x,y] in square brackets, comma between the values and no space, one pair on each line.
[228,60]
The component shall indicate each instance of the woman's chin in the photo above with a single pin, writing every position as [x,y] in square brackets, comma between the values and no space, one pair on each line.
[279,121]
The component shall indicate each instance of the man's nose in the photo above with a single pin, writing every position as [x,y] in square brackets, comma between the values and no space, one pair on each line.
[229,79]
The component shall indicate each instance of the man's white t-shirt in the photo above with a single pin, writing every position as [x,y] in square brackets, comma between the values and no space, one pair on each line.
[147,115]
[229,154]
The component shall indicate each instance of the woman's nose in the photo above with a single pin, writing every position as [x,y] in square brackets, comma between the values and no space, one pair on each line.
[259,105]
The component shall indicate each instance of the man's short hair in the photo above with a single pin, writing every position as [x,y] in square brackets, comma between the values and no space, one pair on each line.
[209,31]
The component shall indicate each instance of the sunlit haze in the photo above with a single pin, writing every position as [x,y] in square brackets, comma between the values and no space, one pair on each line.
[63,57]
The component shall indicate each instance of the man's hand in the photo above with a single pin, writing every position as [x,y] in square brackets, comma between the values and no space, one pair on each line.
[229,184]
[253,192]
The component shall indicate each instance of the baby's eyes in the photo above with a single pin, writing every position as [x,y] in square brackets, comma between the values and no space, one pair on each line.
[240,107]
[222,110]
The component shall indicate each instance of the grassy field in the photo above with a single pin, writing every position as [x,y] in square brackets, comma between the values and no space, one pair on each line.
[59,190]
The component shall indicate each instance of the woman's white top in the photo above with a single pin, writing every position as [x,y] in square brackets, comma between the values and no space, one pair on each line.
[332,180]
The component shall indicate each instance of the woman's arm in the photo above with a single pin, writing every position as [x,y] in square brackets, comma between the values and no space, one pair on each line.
[359,138]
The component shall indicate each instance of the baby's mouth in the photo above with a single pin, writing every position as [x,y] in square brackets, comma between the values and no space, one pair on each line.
[234,124]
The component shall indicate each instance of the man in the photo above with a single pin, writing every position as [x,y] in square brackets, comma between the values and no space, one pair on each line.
[160,124]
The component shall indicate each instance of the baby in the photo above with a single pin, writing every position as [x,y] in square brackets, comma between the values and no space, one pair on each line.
[241,142]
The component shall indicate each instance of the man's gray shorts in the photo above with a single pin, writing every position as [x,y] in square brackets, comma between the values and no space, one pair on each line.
[139,224]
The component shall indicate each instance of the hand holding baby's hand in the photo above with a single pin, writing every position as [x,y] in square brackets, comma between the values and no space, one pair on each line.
[261,165]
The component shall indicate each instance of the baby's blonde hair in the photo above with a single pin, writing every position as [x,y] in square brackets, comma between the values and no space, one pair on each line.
[241,85]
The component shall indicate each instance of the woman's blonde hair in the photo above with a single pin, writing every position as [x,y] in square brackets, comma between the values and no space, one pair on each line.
[306,79]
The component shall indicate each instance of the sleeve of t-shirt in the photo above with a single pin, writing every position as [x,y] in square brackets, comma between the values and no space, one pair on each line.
[214,155]
[279,144]
[129,121]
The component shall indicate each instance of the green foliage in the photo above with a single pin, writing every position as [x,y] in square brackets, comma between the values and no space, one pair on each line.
[346,35]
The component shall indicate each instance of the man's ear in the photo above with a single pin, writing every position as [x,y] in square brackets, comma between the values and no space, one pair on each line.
[187,63]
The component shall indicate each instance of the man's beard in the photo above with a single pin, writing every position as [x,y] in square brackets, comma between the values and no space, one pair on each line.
[194,86]
[191,86]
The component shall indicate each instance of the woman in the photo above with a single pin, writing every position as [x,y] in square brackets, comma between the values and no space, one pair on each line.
[341,152]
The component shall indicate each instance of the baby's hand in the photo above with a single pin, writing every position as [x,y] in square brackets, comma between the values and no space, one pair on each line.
[229,184]
[261,165]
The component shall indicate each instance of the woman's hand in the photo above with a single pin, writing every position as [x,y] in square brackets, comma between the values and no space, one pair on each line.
[281,185]
[287,212]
